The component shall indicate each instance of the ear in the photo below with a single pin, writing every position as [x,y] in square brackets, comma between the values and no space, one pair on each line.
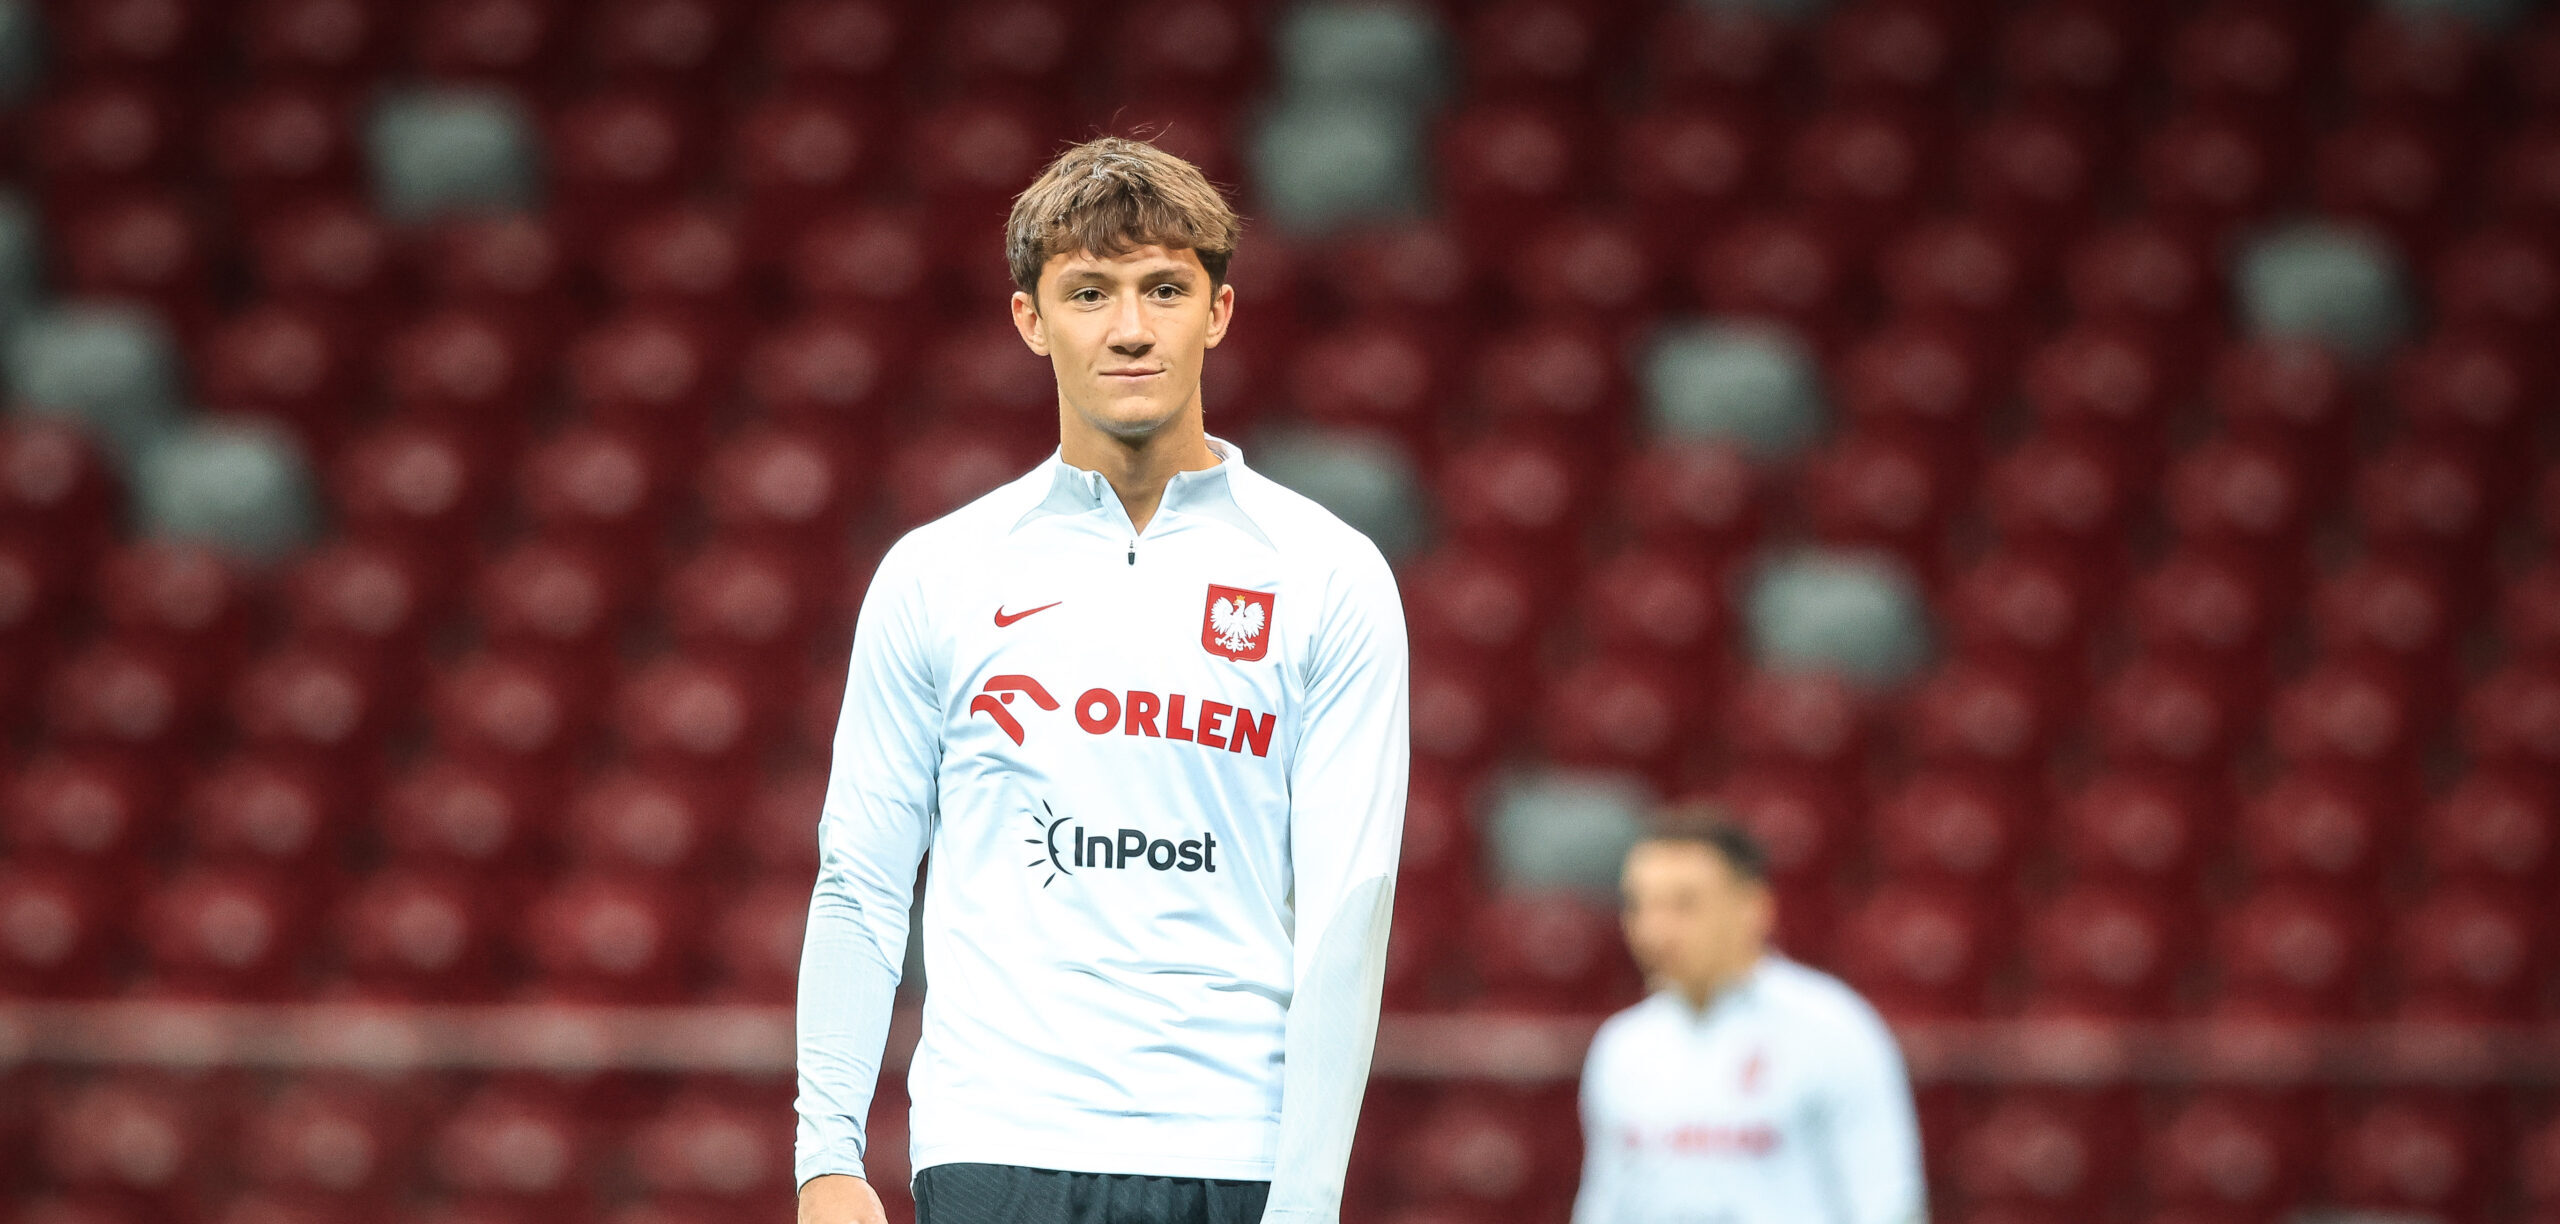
[1027,320]
[1222,310]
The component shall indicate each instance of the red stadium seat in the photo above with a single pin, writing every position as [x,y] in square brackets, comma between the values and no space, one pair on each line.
[1655,604]
[2079,55]
[1534,49]
[1623,713]
[416,936]
[2168,715]
[633,823]
[2290,395]
[1584,265]
[688,259]
[326,1137]
[2241,55]
[940,471]
[517,1144]
[2063,499]
[780,487]
[78,809]
[1808,720]
[2395,617]
[279,143]
[1378,376]
[1882,493]
[1549,952]
[606,939]
[1925,381]
[2512,718]
[2023,612]
[1983,717]
[1916,953]
[2499,281]
[1698,496]
[2392,175]
[285,363]
[2529,615]
[2315,827]
[754,948]
[144,248]
[2205,173]
[1776,266]
[2293,951]
[505,712]
[2357,719]
[2473,391]
[2411,1153]
[1717,56]
[553,600]
[331,255]
[130,1135]
[2038,1153]
[2148,277]
[2537,1164]
[460,368]
[324,42]
[2106,385]
[650,374]
[823,372]
[2426,66]
[1511,494]
[310,705]
[509,266]
[2141,828]
[1458,720]
[2244,501]
[55,487]
[597,487]
[748,608]
[794,155]
[366,601]
[100,134]
[2227,1151]
[976,152]
[2429,504]
[983,375]
[132,36]
[2101,951]
[182,598]
[2495,827]
[2468,954]
[1680,166]
[504,41]
[59,933]
[262,811]
[1011,46]
[1476,1153]
[1962,270]
[703,1148]
[615,155]
[1559,379]
[2210,610]
[1804,820]
[223,934]
[2031,172]
[1892,53]
[691,716]
[122,697]
[1503,167]
[667,43]
[416,487]
[1943,828]
[446,813]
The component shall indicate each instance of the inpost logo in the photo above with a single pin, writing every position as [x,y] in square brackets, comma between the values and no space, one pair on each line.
[1067,847]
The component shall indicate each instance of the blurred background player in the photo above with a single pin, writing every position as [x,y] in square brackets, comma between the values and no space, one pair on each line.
[1147,710]
[1748,1089]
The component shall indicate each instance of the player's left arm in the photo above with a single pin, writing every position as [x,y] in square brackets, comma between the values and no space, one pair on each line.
[1870,1128]
[1346,824]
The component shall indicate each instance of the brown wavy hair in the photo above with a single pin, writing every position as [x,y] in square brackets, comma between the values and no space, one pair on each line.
[1111,196]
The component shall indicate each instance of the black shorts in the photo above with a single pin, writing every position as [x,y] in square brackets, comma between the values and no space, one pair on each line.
[1011,1194]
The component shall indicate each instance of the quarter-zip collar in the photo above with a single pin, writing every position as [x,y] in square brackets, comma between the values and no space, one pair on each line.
[1208,493]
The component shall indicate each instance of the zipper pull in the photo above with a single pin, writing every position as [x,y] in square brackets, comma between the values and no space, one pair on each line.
[1133,552]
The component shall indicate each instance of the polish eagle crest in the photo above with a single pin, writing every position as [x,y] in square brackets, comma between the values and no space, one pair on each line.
[1237,624]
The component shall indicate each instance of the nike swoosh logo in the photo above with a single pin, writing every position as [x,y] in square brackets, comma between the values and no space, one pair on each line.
[1004,618]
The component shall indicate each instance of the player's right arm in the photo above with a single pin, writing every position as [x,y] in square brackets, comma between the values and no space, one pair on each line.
[1870,1138]
[1603,1180]
[872,833]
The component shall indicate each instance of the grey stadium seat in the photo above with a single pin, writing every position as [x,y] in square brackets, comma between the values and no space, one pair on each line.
[1365,479]
[1325,162]
[110,367]
[238,484]
[1561,828]
[451,150]
[1750,383]
[1858,614]
[21,260]
[1390,53]
[2340,287]
[21,49]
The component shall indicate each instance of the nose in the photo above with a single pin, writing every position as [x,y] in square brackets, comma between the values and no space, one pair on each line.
[1131,334]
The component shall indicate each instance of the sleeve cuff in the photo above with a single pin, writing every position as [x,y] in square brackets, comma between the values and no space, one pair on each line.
[821,1164]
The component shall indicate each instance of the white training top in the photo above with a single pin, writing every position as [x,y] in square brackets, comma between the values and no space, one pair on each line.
[1784,1102]
[1162,777]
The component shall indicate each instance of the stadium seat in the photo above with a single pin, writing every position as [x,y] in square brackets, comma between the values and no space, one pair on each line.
[2211,610]
[1941,827]
[112,370]
[824,372]
[1805,819]
[2292,396]
[284,363]
[310,705]
[2025,613]
[448,150]
[114,38]
[2410,1153]
[615,155]
[1338,160]
[1618,713]
[601,938]
[2528,620]
[59,932]
[505,712]
[1508,494]
[215,933]
[2426,62]
[974,153]
[1678,167]
[1961,270]
[1191,49]
[445,813]
[2472,391]
[701,1147]
[2242,56]
[130,1135]
[2147,829]
[751,609]
[511,266]
[1657,605]
[1857,614]
[417,488]
[2317,827]
[1776,267]
[2244,502]
[2537,1164]
[631,823]
[2431,505]
[754,948]
[2106,386]
[263,810]
[689,260]
[2355,719]
[1585,265]
[1473,1152]
[2341,287]
[940,471]
[671,44]
[2039,1151]
[1985,718]
[2512,718]
[1505,167]
[1875,491]
[100,135]
[2030,171]
[58,489]
[417,936]
[795,154]
[72,809]
[188,601]
[1011,47]
[2293,951]
[1560,380]
[1916,953]
[1549,951]
[2495,828]
[2394,619]
[2500,281]
[332,255]
[1926,382]
[1747,384]
[2391,175]
[2158,713]
[1458,720]
[1564,829]
[2468,954]
[650,374]
[366,600]
[1700,497]
[1812,721]
[2063,500]
[2074,56]
[238,484]
[2207,174]
[1857,172]
[783,488]
[281,142]
[331,43]
[141,249]
[691,716]
[2146,276]
[123,697]
[517,1144]
[600,488]
[2225,1150]
[1366,479]
[1891,53]
[339,1140]
[460,368]
[1329,50]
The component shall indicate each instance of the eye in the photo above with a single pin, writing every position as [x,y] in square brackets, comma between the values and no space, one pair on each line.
[1166,293]
[1085,296]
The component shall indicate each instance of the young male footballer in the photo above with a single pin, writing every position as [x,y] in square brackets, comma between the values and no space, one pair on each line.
[1749,1089]
[1146,709]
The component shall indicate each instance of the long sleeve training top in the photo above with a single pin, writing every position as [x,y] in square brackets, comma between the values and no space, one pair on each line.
[1162,780]
[1784,1102]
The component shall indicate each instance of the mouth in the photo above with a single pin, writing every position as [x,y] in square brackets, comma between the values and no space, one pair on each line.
[1131,375]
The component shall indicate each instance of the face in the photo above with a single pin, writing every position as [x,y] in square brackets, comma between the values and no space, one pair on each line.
[1691,922]
[1126,334]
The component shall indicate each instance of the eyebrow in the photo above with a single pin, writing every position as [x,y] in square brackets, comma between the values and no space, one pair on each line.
[1159,274]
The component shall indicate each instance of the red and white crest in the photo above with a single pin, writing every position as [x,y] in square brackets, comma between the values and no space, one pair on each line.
[1237,623]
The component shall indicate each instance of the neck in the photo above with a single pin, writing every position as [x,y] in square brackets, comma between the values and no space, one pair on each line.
[1138,468]
[1701,992]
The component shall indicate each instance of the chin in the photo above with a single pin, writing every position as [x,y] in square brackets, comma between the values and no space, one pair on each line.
[1132,420]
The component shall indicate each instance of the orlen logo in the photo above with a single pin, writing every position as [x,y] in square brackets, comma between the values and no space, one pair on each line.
[1213,725]
[1070,846]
